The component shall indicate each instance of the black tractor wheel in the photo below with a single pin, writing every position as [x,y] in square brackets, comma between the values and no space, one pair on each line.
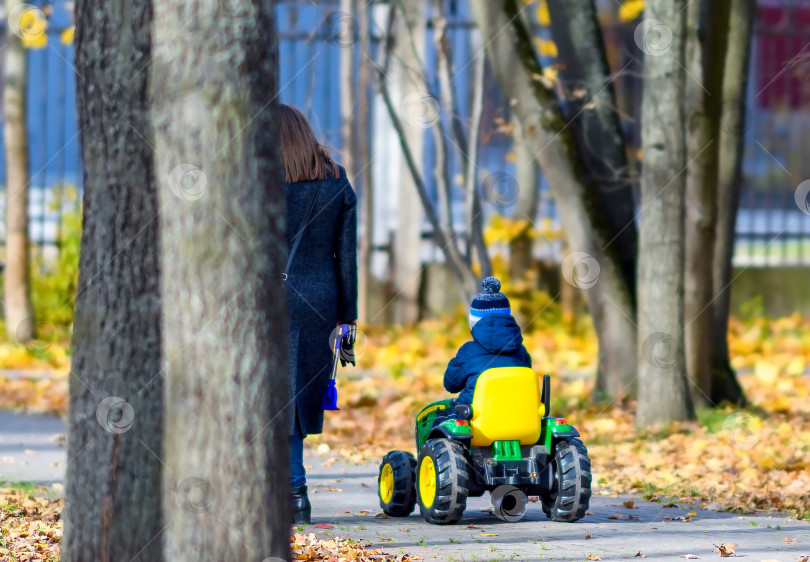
[442,481]
[396,486]
[571,492]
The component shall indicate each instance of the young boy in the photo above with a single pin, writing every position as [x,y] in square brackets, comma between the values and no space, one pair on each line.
[497,342]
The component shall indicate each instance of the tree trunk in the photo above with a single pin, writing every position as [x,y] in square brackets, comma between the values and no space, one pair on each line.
[113,494]
[521,258]
[706,37]
[663,390]
[466,145]
[419,116]
[725,386]
[222,245]
[586,78]
[362,133]
[418,110]
[476,211]
[347,90]
[588,83]
[19,314]
[595,270]
[521,247]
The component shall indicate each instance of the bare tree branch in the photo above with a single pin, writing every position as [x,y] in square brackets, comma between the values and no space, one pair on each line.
[446,243]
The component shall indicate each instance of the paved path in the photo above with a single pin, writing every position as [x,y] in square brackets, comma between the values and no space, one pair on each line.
[31,451]
[759,537]
[32,448]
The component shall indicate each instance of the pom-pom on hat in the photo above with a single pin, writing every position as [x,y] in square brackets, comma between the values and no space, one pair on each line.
[490,300]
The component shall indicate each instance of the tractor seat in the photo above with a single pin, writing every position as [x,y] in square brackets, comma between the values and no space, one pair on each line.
[507,406]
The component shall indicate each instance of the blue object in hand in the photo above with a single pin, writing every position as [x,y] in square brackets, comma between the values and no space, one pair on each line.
[330,396]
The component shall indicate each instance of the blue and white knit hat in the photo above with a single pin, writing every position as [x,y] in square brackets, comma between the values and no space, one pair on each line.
[490,300]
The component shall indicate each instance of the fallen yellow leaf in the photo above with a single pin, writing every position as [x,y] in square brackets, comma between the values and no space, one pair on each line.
[726,549]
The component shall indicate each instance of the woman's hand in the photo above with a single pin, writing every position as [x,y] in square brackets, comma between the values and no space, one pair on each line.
[347,343]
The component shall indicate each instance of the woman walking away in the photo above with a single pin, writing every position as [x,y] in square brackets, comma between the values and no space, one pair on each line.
[321,281]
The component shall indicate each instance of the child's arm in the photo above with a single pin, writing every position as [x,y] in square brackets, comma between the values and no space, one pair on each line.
[455,377]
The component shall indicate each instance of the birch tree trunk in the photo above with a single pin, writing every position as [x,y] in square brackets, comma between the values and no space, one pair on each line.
[418,111]
[347,90]
[594,266]
[223,244]
[362,131]
[520,247]
[663,390]
[725,386]
[19,314]
[114,446]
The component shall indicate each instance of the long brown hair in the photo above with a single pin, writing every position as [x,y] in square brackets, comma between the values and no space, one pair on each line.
[304,158]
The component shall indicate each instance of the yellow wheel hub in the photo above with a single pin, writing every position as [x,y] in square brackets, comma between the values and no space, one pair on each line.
[387,483]
[427,481]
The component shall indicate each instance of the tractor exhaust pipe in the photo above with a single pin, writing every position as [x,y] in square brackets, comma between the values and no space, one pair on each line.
[547,395]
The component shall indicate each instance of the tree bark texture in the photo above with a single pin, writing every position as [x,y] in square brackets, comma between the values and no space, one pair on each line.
[734,115]
[591,103]
[347,90]
[362,132]
[663,391]
[592,110]
[114,447]
[19,313]
[706,38]
[223,246]
[595,267]
[476,211]
[418,109]
[521,257]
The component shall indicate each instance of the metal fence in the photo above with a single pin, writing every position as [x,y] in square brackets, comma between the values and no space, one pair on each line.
[771,227]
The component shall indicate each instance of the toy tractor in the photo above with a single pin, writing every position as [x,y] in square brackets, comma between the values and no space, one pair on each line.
[506,439]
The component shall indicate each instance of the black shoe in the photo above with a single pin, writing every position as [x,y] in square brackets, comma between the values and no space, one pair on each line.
[302,509]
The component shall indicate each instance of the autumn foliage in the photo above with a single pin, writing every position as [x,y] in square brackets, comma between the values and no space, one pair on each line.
[741,460]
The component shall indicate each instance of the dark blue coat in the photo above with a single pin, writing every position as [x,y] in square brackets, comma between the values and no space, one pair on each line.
[321,288]
[497,342]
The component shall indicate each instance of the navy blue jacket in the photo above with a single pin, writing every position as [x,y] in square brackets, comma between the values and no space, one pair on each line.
[497,342]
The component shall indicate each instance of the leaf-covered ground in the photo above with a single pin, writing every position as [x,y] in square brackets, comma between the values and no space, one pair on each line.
[755,459]
[758,458]
[30,526]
